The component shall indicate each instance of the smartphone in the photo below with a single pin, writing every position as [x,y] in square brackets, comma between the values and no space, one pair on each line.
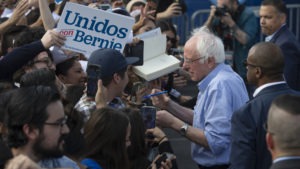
[135,50]
[149,116]
[93,75]
[164,156]
[136,87]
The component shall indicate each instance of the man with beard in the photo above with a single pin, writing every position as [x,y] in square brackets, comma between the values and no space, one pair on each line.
[237,26]
[36,126]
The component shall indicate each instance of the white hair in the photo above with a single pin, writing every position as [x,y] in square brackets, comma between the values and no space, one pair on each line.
[208,44]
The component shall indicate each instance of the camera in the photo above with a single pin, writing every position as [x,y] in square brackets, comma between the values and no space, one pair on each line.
[220,11]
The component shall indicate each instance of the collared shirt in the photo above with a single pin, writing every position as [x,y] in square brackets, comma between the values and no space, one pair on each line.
[63,162]
[268,38]
[85,106]
[221,92]
[286,158]
[260,88]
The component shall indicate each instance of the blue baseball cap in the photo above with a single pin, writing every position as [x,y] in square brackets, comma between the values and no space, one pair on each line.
[110,61]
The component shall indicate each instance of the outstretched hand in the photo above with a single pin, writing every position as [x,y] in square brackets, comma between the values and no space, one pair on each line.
[52,38]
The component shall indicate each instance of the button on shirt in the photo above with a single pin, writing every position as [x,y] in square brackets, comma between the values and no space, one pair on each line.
[221,92]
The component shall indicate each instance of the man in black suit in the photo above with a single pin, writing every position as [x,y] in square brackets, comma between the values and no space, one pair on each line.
[273,14]
[265,64]
[283,132]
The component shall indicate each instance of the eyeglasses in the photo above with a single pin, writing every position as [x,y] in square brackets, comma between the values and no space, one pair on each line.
[190,61]
[46,60]
[172,40]
[60,123]
[246,64]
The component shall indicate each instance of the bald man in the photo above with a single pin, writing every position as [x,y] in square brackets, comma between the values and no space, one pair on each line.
[283,132]
[265,65]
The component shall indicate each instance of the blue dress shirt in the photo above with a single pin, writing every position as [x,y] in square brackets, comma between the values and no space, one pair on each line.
[221,92]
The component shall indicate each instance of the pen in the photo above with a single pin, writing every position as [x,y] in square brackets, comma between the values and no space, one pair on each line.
[155,94]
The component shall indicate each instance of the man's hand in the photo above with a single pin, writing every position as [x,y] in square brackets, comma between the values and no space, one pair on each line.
[165,119]
[160,101]
[100,98]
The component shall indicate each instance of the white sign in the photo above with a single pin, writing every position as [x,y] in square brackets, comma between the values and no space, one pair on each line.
[149,34]
[87,29]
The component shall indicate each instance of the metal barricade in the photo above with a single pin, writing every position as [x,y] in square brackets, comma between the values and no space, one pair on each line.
[183,27]
[199,17]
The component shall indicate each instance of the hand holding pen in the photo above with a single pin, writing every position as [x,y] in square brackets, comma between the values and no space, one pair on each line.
[159,98]
[155,94]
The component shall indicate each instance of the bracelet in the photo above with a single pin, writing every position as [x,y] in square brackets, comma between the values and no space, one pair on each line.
[162,139]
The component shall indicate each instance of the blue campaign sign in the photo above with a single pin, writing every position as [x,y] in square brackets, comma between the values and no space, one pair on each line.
[58,1]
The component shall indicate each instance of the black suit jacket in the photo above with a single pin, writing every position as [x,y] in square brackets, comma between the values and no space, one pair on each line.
[290,47]
[287,164]
[249,149]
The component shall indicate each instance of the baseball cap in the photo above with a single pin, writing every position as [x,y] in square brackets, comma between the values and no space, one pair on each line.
[110,61]
[133,2]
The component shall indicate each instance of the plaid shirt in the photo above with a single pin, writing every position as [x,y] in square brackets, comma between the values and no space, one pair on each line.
[86,106]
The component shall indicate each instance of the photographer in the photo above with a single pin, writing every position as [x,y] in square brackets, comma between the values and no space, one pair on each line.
[237,26]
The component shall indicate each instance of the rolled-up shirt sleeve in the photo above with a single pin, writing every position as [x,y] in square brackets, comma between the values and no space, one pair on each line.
[217,125]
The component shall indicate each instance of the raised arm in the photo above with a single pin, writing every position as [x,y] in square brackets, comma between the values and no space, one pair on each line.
[46,15]
[21,55]
[18,13]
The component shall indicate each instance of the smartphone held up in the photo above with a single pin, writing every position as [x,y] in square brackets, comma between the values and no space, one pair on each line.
[93,75]
[149,116]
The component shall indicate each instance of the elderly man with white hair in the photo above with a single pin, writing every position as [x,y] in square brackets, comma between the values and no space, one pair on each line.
[221,92]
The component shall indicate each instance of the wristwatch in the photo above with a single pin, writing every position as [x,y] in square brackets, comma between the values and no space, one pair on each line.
[183,129]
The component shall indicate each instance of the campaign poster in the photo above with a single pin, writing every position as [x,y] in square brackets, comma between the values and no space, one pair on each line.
[87,29]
